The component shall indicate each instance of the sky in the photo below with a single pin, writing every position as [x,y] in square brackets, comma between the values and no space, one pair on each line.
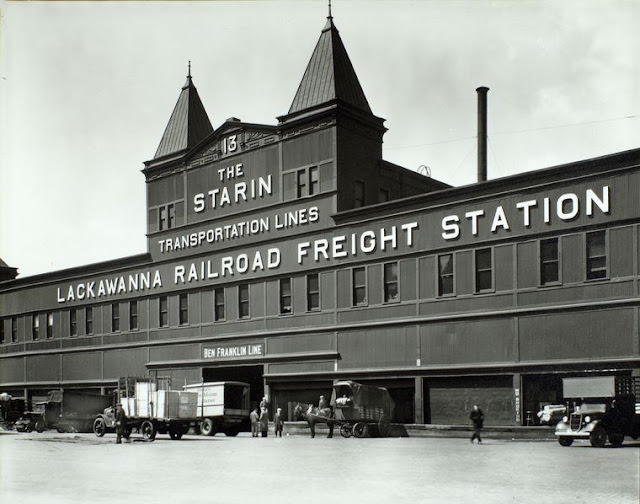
[87,88]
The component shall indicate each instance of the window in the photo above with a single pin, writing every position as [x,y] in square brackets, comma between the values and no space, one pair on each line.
[73,322]
[49,334]
[391,292]
[163,312]
[285,296]
[313,292]
[115,317]
[243,301]
[549,262]
[596,255]
[307,181]
[1,330]
[445,275]
[88,320]
[14,329]
[359,290]
[218,304]
[133,314]
[484,271]
[167,217]
[314,180]
[383,195]
[162,218]
[35,327]
[358,198]
[184,309]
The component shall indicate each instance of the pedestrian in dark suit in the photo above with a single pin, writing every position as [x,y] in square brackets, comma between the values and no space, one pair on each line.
[477,417]
[264,422]
[121,421]
[278,422]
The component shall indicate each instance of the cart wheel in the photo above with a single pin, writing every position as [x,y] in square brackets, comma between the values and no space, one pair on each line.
[39,426]
[360,430]
[148,430]
[346,430]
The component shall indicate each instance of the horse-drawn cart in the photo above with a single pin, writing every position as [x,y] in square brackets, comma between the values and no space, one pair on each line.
[358,410]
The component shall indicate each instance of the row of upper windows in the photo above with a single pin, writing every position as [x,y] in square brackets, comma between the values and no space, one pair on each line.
[549,269]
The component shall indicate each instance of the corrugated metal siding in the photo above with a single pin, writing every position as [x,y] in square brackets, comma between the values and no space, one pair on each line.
[82,366]
[12,370]
[377,348]
[577,335]
[127,362]
[621,252]
[302,343]
[43,368]
[463,342]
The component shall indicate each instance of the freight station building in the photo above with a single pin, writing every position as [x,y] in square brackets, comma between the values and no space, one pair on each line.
[291,255]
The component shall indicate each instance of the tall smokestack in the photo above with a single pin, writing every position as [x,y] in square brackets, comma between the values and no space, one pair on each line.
[482,133]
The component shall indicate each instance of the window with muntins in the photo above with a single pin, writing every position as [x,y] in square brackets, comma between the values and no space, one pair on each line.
[35,327]
[88,320]
[115,317]
[285,296]
[596,255]
[163,312]
[391,291]
[184,309]
[133,314]
[313,292]
[549,261]
[484,270]
[73,322]
[243,301]
[359,286]
[49,325]
[445,275]
[218,301]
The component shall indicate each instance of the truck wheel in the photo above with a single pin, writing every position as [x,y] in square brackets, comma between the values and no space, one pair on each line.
[565,441]
[40,426]
[598,437]
[232,432]
[148,430]
[99,427]
[346,430]
[208,427]
[616,439]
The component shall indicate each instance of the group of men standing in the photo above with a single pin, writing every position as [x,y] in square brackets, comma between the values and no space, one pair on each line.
[259,418]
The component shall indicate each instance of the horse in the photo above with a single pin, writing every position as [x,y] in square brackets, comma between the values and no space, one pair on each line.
[313,415]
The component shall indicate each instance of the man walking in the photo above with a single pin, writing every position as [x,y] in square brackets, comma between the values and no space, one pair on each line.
[121,421]
[278,422]
[477,417]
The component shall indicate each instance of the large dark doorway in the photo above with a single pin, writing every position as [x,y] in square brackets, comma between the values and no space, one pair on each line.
[247,374]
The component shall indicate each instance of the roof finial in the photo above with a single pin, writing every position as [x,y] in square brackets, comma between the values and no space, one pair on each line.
[189,73]
[329,16]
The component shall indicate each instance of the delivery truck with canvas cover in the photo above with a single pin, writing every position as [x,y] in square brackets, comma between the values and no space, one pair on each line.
[150,407]
[607,408]
[221,406]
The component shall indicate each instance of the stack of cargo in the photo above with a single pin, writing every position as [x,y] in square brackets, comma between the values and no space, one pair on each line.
[145,398]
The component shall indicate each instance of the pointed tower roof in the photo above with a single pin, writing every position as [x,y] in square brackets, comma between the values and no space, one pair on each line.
[189,122]
[329,75]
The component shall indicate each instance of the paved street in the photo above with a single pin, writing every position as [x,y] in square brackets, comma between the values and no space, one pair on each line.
[80,468]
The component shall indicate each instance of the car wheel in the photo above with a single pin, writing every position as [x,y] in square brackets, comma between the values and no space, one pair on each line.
[598,437]
[565,441]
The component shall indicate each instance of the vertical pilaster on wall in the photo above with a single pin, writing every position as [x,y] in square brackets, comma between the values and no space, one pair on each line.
[27,399]
[517,396]
[265,386]
[418,401]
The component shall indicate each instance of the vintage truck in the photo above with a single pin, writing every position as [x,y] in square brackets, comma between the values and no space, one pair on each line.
[221,406]
[607,408]
[151,407]
[11,410]
[65,411]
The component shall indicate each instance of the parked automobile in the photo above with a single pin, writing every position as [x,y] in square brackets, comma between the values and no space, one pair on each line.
[551,414]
